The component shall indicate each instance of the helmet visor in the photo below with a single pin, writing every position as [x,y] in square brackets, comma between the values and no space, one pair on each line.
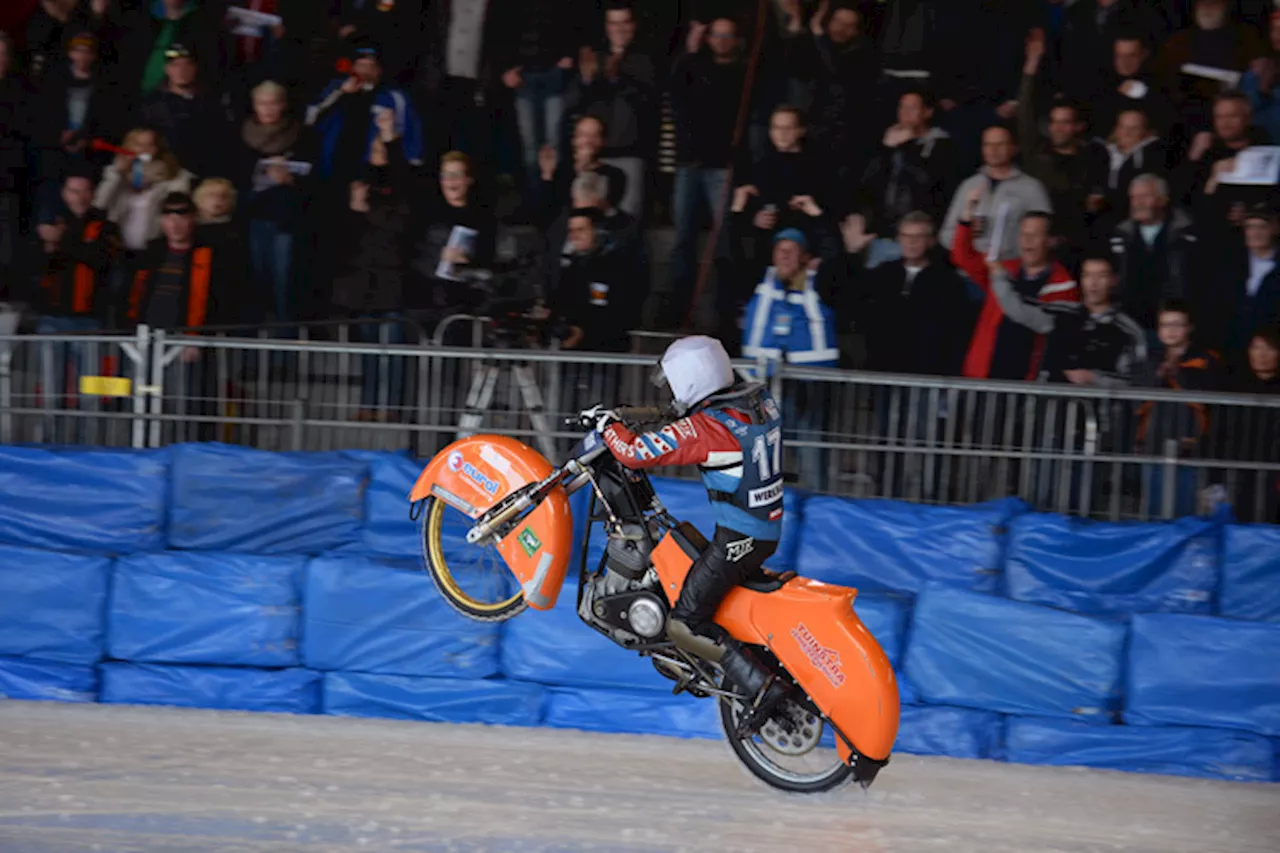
[658,377]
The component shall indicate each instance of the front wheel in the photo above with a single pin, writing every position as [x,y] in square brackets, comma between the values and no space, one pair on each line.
[467,567]
[787,752]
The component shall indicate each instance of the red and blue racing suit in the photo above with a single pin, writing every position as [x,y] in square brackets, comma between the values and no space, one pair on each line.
[737,445]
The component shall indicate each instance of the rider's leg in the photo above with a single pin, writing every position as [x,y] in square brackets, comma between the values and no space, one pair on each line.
[727,562]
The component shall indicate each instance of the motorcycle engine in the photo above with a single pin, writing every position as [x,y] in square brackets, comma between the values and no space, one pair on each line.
[628,551]
[629,611]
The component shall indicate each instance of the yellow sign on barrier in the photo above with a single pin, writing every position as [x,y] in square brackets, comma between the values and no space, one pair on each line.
[106,386]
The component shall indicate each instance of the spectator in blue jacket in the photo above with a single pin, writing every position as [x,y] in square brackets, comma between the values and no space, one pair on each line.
[345,119]
[787,321]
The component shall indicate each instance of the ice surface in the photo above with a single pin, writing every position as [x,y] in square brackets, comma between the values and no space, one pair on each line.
[121,779]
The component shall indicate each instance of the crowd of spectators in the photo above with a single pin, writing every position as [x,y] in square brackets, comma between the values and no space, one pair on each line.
[1077,191]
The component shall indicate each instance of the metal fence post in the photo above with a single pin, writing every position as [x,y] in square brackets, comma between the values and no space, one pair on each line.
[297,423]
[1169,482]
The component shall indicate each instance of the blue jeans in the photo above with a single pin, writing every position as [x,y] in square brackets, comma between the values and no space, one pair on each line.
[271,260]
[539,112]
[693,186]
[374,368]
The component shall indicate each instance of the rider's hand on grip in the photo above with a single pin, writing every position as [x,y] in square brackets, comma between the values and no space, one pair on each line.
[597,417]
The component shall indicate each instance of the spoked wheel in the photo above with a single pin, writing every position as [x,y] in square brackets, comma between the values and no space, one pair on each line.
[787,752]
[474,579]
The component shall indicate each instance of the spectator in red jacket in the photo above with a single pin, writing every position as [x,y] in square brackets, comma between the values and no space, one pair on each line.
[1000,348]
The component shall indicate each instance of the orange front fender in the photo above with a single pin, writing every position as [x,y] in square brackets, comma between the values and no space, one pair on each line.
[472,474]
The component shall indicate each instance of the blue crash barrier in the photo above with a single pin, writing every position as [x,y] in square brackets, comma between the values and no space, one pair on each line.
[555,647]
[106,501]
[899,547]
[1180,751]
[289,691]
[1203,671]
[1113,569]
[22,678]
[1251,573]
[212,626]
[887,618]
[363,615]
[52,604]
[440,700]
[388,531]
[954,732]
[236,499]
[979,651]
[633,712]
[232,609]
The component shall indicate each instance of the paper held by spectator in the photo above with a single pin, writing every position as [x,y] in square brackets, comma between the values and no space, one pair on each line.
[1222,75]
[462,238]
[907,73]
[997,232]
[295,167]
[1256,166]
[250,23]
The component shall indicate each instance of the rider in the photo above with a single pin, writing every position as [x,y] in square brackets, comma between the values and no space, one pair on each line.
[732,431]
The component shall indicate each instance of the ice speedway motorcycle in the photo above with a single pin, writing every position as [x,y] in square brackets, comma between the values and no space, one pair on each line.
[515,506]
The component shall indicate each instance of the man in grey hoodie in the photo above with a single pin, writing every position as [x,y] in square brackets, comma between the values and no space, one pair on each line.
[1004,187]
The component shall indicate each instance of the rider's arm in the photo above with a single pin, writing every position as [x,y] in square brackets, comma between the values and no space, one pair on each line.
[688,441]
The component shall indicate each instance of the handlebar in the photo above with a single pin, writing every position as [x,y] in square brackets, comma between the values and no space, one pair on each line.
[641,413]
[634,414]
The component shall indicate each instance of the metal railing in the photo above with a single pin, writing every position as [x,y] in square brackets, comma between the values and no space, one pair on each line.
[1106,454]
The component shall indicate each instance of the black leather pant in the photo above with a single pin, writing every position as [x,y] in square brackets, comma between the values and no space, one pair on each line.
[730,559]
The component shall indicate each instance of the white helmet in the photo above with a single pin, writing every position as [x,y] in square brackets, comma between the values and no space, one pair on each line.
[694,368]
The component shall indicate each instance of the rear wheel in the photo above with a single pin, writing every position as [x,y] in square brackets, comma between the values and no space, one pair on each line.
[787,752]
[474,579]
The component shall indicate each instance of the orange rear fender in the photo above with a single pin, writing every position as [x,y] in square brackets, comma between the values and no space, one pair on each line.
[813,630]
[473,474]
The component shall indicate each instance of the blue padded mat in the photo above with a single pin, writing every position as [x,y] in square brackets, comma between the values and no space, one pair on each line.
[233,609]
[294,691]
[106,501]
[441,700]
[1251,573]
[893,546]
[238,499]
[1181,751]
[1114,569]
[979,651]
[24,678]
[52,604]
[364,615]
[954,732]
[1203,671]
[633,712]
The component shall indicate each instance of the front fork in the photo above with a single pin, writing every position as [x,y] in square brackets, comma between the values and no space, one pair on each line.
[509,512]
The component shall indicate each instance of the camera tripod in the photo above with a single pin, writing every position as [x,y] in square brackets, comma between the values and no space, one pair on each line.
[484,385]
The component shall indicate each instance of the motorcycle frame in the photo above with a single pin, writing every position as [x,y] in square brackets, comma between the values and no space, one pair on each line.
[544,484]
[658,648]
